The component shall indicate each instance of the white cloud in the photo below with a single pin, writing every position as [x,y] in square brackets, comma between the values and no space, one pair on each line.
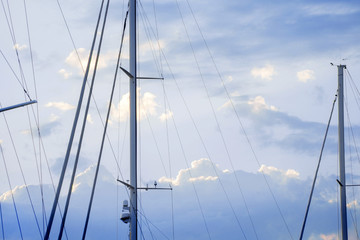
[20,47]
[73,59]
[258,103]
[331,236]
[65,73]
[147,108]
[6,196]
[305,75]
[148,104]
[63,106]
[200,170]
[164,116]
[279,173]
[266,72]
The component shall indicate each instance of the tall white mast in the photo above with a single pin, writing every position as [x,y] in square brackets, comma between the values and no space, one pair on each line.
[344,232]
[133,122]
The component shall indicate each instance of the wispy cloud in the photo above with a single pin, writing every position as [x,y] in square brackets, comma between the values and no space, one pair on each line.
[331,9]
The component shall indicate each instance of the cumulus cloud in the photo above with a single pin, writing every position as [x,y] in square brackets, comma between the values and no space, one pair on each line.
[74,60]
[156,204]
[63,106]
[258,103]
[200,170]
[305,75]
[266,72]
[147,107]
[279,173]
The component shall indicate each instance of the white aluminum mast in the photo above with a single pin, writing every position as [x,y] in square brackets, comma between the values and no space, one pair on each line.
[133,122]
[342,182]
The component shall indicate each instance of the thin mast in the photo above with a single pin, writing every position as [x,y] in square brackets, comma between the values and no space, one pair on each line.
[133,122]
[344,232]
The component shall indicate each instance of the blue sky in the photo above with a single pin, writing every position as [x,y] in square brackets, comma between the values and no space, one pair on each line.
[274,61]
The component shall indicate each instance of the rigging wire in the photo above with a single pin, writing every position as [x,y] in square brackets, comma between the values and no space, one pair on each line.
[22,174]
[47,234]
[24,85]
[16,77]
[2,222]
[350,130]
[217,121]
[148,221]
[37,123]
[12,195]
[106,121]
[12,33]
[188,166]
[37,119]
[197,197]
[317,168]
[118,141]
[84,122]
[197,130]
[241,124]
[93,97]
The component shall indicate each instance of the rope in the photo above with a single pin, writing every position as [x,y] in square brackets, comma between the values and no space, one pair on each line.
[51,219]
[106,124]
[317,170]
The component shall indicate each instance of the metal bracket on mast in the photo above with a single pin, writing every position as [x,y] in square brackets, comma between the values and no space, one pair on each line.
[144,188]
[131,76]
[126,184]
